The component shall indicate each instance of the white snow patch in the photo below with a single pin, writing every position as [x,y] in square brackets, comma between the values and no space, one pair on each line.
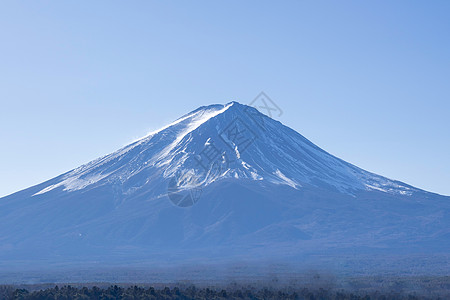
[245,165]
[256,176]
[238,155]
[285,180]
[74,183]
[375,188]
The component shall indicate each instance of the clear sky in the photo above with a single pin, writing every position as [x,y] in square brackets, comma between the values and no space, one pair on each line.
[368,81]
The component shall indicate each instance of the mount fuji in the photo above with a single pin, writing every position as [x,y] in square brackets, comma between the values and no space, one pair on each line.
[223,183]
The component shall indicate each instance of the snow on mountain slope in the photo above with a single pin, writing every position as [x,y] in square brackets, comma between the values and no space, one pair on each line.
[268,151]
[222,180]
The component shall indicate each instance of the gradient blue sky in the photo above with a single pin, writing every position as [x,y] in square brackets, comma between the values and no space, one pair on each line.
[368,81]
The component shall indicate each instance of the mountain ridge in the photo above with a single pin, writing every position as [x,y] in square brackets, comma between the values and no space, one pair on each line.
[199,121]
[221,181]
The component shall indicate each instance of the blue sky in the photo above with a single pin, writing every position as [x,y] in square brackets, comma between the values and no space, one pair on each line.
[368,81]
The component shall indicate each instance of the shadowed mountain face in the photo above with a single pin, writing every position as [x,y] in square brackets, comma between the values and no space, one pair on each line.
[222,182]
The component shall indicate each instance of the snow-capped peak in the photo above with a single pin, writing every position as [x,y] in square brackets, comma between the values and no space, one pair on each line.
[217,142]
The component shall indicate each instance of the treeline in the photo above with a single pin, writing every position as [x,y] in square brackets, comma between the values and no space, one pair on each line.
[135,292]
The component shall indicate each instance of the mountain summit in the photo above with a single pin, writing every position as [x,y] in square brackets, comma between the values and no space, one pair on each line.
[218,142]
[221,181]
